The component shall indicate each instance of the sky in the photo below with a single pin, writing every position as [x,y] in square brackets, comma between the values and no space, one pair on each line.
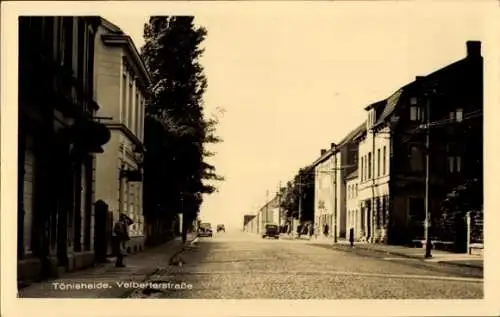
[294,79]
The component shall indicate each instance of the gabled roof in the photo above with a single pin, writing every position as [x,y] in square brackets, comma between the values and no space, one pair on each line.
[394,100]
[353,134]
[390,106]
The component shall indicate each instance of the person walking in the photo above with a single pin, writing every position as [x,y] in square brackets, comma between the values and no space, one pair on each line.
[119,238]
[351,237]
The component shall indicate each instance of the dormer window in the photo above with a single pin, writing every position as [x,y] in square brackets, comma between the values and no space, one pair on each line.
[371,118]
[416,113]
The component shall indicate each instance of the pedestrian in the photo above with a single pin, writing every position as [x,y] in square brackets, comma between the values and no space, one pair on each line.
[351,237]
[119,238]
[326,229]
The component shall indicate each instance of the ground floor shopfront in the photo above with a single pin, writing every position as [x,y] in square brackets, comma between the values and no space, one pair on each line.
[55,193]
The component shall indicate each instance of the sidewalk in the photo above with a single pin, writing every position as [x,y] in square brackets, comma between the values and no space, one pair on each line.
[459,259]
[105,281]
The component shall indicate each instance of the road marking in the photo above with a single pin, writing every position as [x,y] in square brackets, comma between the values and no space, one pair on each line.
[345,273]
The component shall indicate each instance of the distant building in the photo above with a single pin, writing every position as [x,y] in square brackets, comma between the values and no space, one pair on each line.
[330,172]
[324,192]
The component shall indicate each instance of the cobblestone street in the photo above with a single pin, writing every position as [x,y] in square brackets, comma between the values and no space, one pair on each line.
[240,265]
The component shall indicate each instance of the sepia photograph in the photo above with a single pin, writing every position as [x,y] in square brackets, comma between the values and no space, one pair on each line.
[326,154]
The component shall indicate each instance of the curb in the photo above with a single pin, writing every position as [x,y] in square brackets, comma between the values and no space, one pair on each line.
[340,248]
[462,264]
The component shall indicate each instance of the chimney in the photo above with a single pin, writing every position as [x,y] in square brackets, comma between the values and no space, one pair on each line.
[333,145]
[323,151]
[473,48]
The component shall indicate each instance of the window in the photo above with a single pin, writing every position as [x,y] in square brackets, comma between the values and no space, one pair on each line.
[136,114]
[369,165]
[413,101]
[459,114]
[384,160]
[356,186]
[415,113]
[124,99]
[451,164]
[362,167]
[454,164]
[130,104]
[378,162]
[366,167]
[452,115]
[416,159]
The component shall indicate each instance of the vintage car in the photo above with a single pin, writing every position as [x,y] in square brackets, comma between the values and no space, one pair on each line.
[271,231]
[205,230]
[220,227]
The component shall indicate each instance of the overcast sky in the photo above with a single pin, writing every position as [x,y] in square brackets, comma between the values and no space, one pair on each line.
[295,77]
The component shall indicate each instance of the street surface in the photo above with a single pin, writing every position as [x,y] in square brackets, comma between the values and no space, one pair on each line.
[237,265]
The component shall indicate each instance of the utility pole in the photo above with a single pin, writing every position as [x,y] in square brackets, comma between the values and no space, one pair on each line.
[279,206]
[335,200]
[372,173]
[300,198]
[428,244]
[267,206]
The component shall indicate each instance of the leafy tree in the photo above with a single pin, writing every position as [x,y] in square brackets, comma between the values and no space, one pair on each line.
[176,130]
[302,187]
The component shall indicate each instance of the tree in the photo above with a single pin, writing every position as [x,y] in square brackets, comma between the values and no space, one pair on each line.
[176,130]
[301,189]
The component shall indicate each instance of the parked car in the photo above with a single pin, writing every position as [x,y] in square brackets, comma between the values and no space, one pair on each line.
[221,227]
[271,231]
[205,230]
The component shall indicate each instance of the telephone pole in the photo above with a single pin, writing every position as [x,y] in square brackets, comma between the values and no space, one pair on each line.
[428,244]
[267,206]
[279,206]
[335,199]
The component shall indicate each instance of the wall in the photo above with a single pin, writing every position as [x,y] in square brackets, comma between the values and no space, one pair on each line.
[377,185]
[113,95]
[107,73]
[353,208]
[324,195]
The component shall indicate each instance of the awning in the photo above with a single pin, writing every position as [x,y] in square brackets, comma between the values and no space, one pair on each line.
[90,136]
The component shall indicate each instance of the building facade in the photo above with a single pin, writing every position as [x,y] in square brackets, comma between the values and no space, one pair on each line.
[122,87]
[324,193]
[345,163]
[392,166]
[373,175]
[353,211]
[451,98]
[58,141]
